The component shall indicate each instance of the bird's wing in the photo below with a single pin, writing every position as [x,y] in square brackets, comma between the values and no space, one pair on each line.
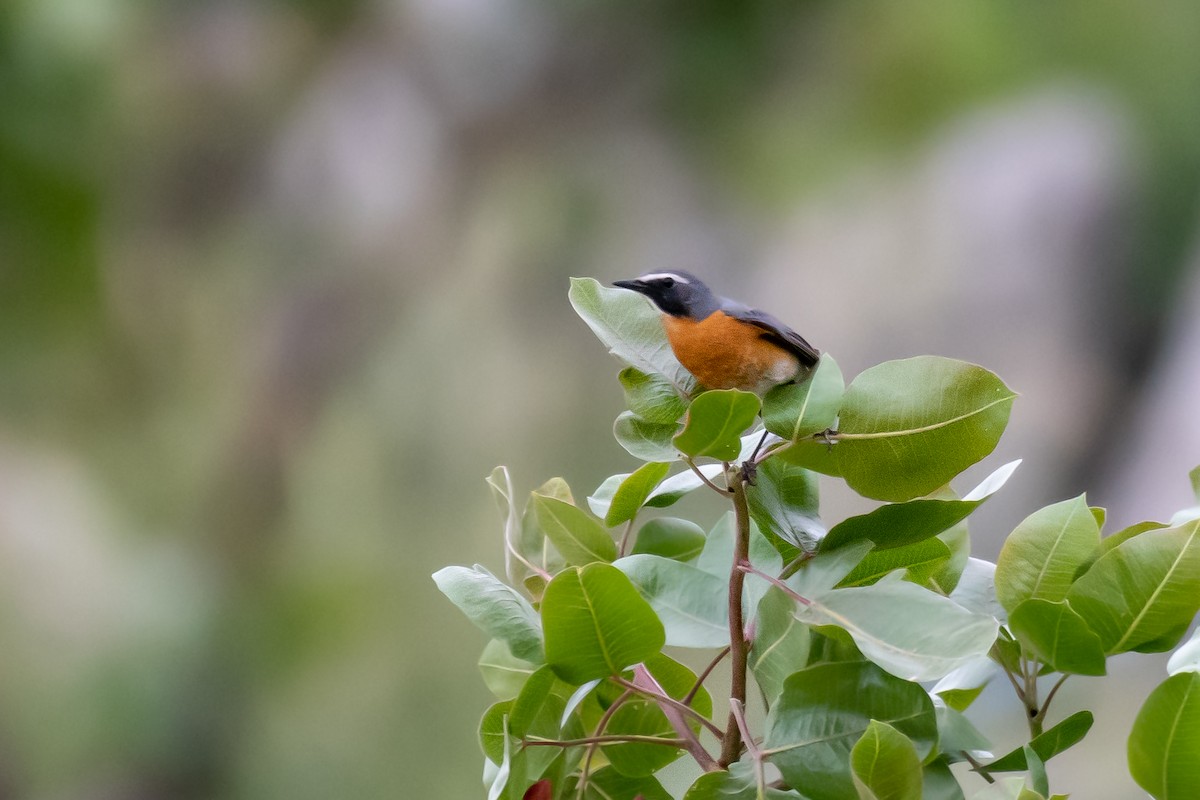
[776,332]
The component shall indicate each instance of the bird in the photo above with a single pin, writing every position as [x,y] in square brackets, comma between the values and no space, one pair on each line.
[724,344]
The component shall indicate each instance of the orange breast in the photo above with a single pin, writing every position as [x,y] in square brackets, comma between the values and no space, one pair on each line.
[724,353]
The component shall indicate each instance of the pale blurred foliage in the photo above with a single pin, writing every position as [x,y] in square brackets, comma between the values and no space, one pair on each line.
[281,282]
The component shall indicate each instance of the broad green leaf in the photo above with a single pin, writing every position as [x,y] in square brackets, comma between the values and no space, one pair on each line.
[536,714]
[884,765]
[1062,736]
[503,673]
[1142,594]
[495,608]
[945,578]
[794,410]
[1058,637]
[670,537]
[576,535]
[1042,556]
[600,500]
[648,441]
[634,491]
[1109,542]
[608,784]
[631,328]
[900,524]
[739,783]
[960,687]
[956,734]
[919,559]
[690,602]
[940,783]
[824,571]
[651,396]
[908,631]
[976,589]
[784,502]
[491,730]
[813,453]
[677,486]
[1186,658]
[1164,745]
[781,643]
[597,624]
[825,709]
[907,427]
[715,423]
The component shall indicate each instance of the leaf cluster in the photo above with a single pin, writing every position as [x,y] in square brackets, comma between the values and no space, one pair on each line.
[855,650]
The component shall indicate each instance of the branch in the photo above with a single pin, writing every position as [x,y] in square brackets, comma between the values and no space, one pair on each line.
[688,460]
[613,739]
[671,710]
[789,591]
[731,748]
[691,695]
[663,699]
[739,714]
[1050,696]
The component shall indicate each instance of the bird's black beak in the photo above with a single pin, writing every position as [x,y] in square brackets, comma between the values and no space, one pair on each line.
[637,286]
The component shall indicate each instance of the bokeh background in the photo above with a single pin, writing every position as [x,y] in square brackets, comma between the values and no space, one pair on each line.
[280,282]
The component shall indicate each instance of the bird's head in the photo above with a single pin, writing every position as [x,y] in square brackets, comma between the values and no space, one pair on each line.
[680,294]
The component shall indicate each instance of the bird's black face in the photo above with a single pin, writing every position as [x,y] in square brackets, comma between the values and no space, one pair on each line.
[679,294]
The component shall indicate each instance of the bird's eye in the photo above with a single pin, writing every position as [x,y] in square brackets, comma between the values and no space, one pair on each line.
[668,283]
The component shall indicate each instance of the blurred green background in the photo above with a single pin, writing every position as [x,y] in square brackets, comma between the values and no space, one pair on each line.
[280,282]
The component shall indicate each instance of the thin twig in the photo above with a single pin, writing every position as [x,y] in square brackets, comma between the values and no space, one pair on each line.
[671,701]
[612,739]
[1011,678]
[731,747]
[586,769]
[705,480]
[1050,696]
[789,591]
[703,676]
[980,770]
[738,709]
[625,535]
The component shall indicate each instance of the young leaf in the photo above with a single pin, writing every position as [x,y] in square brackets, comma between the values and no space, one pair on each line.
[784,503]
[1141,595]
[691,603]
[631,329]
[715,423]
[597,624]
[1058,637]
[495,608]
[794,410]
[645,440]
[907,427]
[1042,556]
[577,536]
[908,631]
[651,396]
[633,492]
[1165,739]
[503,673]
[884,765]
[1062,736]
[824,710]
[670,537]
[781,643]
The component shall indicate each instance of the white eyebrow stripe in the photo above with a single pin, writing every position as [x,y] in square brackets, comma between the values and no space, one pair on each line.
[654,276]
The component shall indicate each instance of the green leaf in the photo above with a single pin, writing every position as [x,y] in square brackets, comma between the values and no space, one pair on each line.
[884,765]
[739,783]
[608,784]
[1037,771]
[900,524]
[631,328]
[909,631]
[940,783]
[577,536]
[1165,741]
[597,624]
[1042,556]
[956,734]
[691,603]
[1062,736]
[781,643]
[634,491]
[794,410]
[919,559]
[945,577]
[811,453]
[1195,477]
[648,441]
[1109,542]
[1058,637]
[824,571]
[1141,595]
[1007,789]
[491,730]
[715,423]
[784,502]
[670,537]
[503,673]
[495,608]
[907,427]
[960,687]
[651,396]
[976,589]
[825,709]
[536,714]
